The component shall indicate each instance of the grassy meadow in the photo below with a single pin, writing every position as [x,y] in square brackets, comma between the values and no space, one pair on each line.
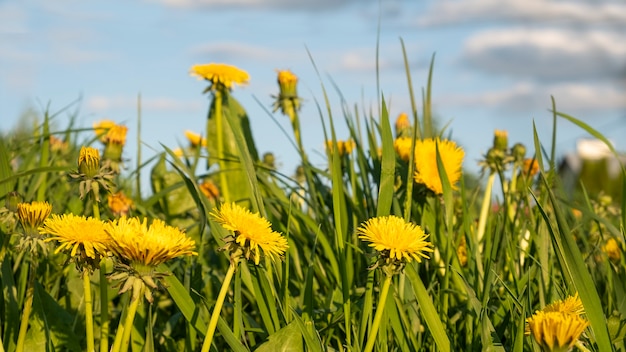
[387,246]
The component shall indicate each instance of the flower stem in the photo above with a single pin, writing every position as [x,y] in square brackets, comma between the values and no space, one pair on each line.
[219,126]
[371,338]
[130,317]
[104,291]
[28,305]
[104,307]
[208,337]
[484,210]
[88,311]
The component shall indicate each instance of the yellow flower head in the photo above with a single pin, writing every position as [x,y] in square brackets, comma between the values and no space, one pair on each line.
[102,127]
[556,331]
[195,139]
[531,167]
[32,215]
[136,242]
[89,161]
[403,125]
[287,79]
[570,305]
[461,251]
[344,147]
[402,145]
[82,236]
[612,250]
[253,233]
[58,145]
[220,75]
[210,190]
[120,204]
[426,171]
[395,238]
[115,135]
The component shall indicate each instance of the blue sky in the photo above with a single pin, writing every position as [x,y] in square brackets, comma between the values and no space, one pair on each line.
[497,63]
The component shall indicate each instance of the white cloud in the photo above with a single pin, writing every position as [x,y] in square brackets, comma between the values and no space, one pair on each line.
[579,12]
[547,54]
[102,104]
[527,96]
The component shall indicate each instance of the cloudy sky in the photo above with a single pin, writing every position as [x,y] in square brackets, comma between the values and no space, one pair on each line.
[497,63]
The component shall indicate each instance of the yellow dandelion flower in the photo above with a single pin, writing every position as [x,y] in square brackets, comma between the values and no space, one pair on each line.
[119,203]
[403,124]
[343,147]
[396,238]
[58,145]
[89,161]
[220,74]
[461,251]
[402,145]
[426,171]
[115,135]
[570,305]
[32,215]
[612,250]
[530,167]
[137,242]
[178,152]
[556,331]
[78,234]
[102,127]
[195,139]
[210,190]
[287,79]
[252,232]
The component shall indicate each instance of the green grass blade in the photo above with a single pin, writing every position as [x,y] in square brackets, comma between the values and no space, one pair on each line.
[388,164]
[428,311]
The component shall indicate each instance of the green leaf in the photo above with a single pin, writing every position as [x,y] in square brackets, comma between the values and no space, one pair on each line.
[287,339]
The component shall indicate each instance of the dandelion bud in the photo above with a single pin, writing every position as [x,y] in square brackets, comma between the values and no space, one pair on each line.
[501,140]
[114,141]
[287,100]
[518,151]
[269,160]
[89,161]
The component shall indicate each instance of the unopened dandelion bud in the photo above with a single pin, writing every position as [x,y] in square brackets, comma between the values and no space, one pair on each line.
[269,160]
[518,151]
[89,161]
[501,140]
[287,99]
